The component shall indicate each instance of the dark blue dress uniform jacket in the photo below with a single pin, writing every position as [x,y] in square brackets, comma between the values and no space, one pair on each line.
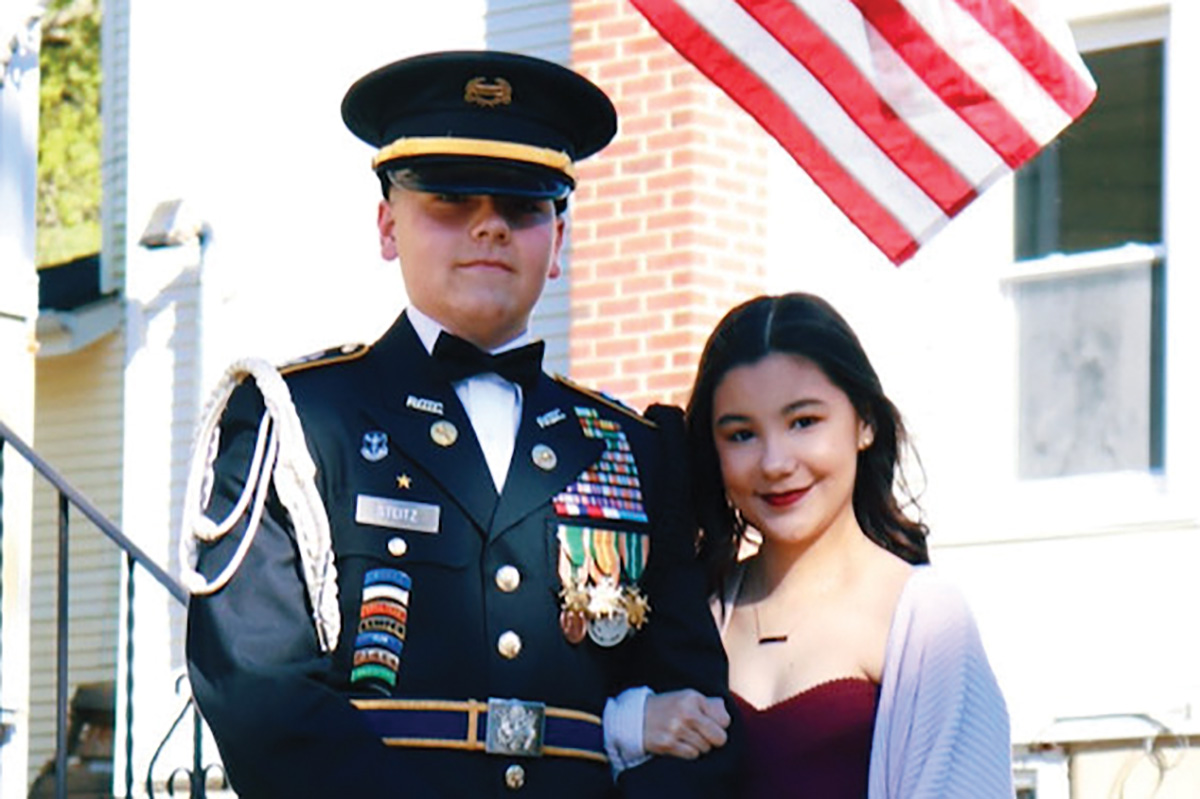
[281,710]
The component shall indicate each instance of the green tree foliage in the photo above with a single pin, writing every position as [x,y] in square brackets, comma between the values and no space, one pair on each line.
[68,202]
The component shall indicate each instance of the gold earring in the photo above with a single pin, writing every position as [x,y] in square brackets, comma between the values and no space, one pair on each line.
[866,439]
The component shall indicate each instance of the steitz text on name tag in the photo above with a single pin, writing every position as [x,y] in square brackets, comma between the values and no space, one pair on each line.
[397,514]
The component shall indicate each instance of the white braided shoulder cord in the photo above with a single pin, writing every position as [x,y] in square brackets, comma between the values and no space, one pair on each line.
[280,457]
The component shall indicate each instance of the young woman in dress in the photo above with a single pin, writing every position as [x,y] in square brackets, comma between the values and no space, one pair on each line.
[856,670]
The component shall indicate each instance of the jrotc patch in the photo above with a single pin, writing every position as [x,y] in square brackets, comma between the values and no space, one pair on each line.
[609,488]
[382,626]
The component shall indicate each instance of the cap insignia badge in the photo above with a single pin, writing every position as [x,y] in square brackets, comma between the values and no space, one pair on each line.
[480,92]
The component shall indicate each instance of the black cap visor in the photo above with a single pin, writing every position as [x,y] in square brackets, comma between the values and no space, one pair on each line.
[477,175]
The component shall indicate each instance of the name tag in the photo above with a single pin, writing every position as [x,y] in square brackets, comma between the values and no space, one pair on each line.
[397,514]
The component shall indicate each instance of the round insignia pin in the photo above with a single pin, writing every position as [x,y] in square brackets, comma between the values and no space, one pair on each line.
[608,630]
[574,625]
[443,433]
[544,457]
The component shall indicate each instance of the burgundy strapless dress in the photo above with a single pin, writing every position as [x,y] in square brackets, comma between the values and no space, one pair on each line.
[815,745]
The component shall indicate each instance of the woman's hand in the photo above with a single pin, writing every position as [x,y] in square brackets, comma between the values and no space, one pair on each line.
[684,724]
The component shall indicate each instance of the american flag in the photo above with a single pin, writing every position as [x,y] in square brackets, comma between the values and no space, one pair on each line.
[902,111]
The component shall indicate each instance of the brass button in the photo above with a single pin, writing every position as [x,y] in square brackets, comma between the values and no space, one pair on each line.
[397,546]
[509,645]
[514,776]
[508,578]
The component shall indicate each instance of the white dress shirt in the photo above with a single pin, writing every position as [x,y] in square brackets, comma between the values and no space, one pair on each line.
[492,403]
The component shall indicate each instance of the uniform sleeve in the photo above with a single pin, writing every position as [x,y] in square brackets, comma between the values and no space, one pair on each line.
[256,670]
[942,730]
[679,647]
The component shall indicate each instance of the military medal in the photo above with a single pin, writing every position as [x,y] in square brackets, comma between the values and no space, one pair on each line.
[635,552]
[574,625]
[609,630]
[599,570]
[573,618]
[604,599]
[636,606]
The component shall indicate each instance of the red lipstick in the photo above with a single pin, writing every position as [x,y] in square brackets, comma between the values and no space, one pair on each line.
[784,498]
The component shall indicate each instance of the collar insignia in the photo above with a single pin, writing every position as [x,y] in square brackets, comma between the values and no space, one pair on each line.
[551,418]
[374,446]
[426,405]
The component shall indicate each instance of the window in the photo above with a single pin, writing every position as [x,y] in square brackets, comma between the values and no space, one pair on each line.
[1099,185]
[1088,289]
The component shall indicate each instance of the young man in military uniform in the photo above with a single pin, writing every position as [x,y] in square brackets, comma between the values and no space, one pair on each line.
[424,566]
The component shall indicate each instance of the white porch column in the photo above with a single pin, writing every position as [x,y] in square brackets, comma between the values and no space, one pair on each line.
[19,81]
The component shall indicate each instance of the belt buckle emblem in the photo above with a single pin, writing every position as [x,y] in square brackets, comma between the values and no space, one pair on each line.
[515,728]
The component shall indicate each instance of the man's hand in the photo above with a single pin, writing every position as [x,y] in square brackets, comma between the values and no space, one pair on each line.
[684,724]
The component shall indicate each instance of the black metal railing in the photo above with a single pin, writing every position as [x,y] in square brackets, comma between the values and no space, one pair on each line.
[68,496]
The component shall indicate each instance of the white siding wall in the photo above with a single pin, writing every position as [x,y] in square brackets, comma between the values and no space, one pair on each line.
[78,431]
[114,107]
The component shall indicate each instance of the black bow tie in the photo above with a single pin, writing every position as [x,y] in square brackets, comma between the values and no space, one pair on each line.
[459,359]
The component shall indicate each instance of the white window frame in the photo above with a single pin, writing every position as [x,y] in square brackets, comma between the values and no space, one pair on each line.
[1158,498]
[1046,770]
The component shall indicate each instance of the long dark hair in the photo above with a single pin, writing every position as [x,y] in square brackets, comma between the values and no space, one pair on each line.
[808,326]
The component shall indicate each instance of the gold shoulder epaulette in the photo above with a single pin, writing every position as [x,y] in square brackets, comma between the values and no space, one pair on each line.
[346,352]
[604,399]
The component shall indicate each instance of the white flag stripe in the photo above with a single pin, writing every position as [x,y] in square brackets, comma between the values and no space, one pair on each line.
[991,66]
[913,101]
[1057,33]
[741,34]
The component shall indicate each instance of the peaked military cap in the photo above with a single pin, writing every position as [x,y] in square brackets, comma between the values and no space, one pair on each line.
[479,122]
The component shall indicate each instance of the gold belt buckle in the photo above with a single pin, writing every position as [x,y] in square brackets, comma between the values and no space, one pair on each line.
[515,728]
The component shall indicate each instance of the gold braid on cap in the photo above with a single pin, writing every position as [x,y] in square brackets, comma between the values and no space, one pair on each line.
[485,148]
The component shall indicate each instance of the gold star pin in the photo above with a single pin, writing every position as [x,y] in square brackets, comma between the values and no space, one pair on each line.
[403,481]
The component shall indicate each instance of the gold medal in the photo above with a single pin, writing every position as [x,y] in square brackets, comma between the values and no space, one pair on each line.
[575,597]
[636,606]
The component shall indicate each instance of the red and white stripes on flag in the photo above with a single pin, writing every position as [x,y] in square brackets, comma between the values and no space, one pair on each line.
[902,111]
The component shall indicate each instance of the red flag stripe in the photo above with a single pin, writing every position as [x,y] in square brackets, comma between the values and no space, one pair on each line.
[843,79]
[1021,37]
[994,68]
[983,112]
[761,102]
[906,93]
[828,123]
